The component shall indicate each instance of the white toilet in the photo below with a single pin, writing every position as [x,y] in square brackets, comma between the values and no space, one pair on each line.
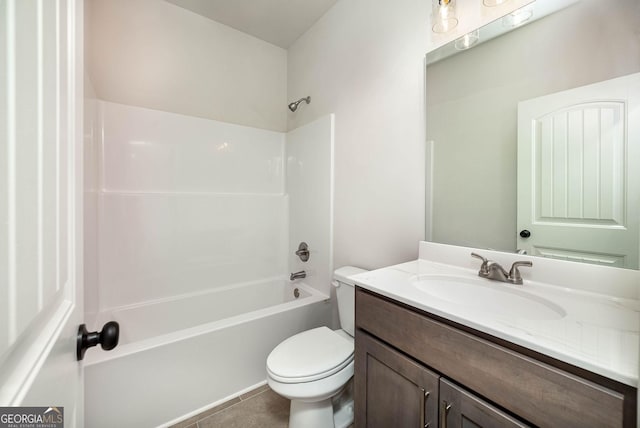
[312,367]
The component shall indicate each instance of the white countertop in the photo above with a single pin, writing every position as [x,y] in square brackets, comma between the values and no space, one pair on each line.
[599,333]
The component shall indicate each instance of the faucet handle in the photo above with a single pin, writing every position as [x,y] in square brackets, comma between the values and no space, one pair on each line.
[514,273]
[478,256]
[484,268]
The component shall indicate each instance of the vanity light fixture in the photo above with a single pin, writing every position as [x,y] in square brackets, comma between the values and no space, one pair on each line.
[518,17]
[443,15]
[468,40]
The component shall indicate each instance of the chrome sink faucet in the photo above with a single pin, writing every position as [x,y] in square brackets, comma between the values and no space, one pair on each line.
[492,270]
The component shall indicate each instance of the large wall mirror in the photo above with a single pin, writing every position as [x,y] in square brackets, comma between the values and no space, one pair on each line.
[536,134]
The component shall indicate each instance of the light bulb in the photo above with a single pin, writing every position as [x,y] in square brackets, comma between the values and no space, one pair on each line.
[518,17]
[468,40]
[443,15]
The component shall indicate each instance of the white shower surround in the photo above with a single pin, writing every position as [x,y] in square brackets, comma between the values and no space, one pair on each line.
[192,215]
[185,205]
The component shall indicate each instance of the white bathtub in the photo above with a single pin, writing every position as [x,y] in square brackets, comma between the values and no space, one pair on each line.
[179,357]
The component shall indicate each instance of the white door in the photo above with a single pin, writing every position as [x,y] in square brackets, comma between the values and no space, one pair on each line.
[40,204]
[579,173]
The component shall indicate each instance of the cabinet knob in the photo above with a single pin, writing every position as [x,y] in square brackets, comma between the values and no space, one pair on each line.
[525,233]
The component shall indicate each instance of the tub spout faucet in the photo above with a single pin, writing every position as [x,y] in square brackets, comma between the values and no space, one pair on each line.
[297,275]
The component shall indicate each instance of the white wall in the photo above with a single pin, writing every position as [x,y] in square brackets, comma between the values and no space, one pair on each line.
[310,190]
[154,54]
[364,61]
[186,205]
[475,191]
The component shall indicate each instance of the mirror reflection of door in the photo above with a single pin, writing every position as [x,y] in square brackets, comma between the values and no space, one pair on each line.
[579,174]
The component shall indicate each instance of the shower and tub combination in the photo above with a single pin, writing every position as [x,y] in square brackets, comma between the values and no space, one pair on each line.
[192,229]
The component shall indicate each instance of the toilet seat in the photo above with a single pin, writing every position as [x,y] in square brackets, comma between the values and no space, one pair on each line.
[310,355]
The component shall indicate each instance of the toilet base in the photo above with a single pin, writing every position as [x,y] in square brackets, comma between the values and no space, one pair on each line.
[318,414]
[329,413]
[343,417]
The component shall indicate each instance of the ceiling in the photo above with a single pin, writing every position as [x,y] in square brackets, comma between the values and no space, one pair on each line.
[279,22]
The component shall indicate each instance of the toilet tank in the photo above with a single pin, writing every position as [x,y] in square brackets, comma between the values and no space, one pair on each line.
[346,295]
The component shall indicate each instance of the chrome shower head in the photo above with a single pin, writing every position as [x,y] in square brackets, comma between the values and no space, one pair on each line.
[294,105]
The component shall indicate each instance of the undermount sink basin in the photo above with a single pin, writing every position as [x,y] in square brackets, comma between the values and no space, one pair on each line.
[481,295]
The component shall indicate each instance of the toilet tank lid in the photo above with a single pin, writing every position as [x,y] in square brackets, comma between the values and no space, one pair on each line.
[342,274]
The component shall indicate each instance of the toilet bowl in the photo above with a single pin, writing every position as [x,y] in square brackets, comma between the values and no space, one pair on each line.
[311,368]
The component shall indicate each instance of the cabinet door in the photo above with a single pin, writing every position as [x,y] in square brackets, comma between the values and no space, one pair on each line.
[391,390]
[459,408]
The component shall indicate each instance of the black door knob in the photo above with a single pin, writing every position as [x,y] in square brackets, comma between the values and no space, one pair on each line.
[525,233]
[107,338]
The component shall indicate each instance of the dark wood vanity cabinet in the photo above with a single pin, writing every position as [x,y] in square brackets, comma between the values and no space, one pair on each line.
[395,391]
[413,369]
[398,391]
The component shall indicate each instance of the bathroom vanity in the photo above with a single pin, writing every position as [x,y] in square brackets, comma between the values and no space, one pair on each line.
[424,360]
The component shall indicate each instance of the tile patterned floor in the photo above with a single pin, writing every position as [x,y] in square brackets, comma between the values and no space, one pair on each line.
[258,408]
